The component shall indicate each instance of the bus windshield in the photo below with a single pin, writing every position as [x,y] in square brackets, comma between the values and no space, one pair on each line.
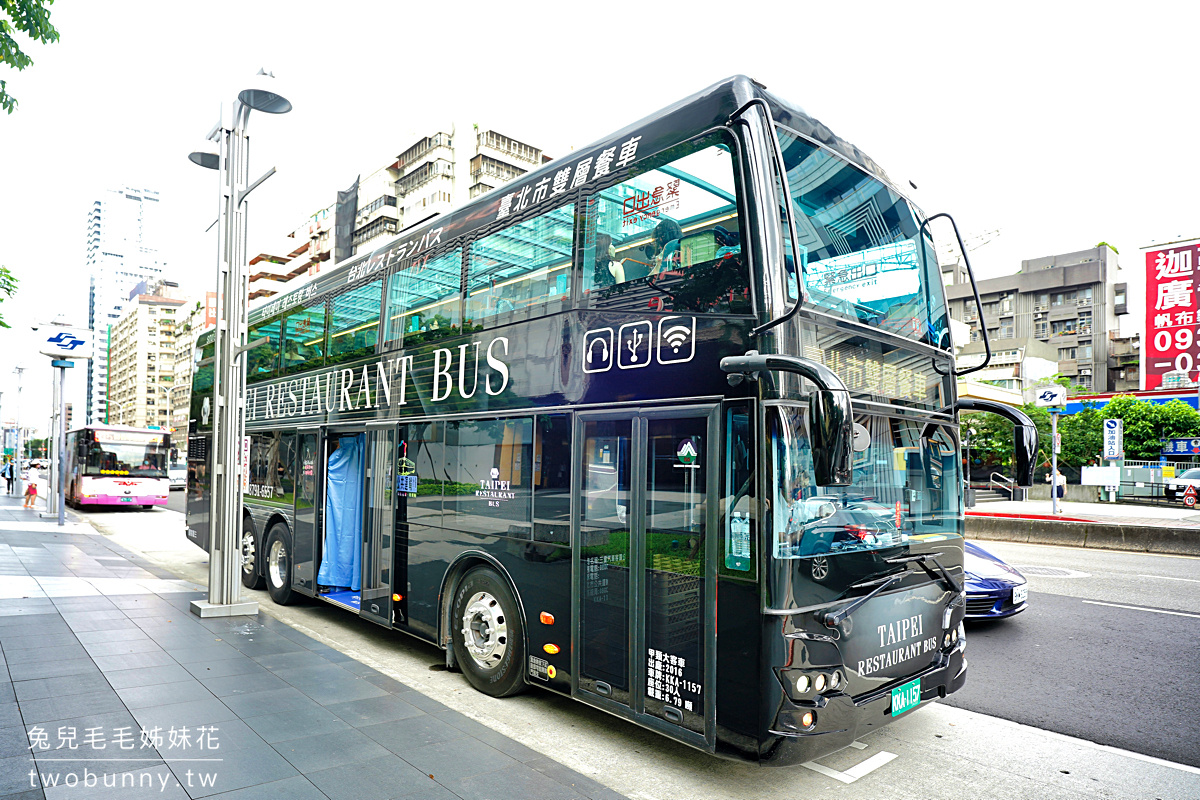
[905,487]
[861,253]
[116,453]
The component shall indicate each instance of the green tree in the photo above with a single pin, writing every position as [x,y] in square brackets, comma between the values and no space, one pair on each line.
[8,285]
[31,17]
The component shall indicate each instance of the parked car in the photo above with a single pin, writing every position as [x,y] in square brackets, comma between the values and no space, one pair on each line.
[994,589]
[177,474]
[1175,487]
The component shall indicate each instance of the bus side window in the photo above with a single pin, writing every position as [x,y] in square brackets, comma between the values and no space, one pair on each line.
[552,479]
[522,271]
[354,322]
[264,360]
[489,466]
[423,300]
[304,339]
[669,238]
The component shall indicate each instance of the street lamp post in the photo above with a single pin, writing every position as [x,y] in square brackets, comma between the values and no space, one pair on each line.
[231,160]
[20,371]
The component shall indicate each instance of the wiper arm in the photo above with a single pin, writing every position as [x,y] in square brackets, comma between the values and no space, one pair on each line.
[941,574]
[831,619]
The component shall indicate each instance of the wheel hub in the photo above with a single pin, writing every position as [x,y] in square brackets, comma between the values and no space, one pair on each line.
[248,552]
[484,630]
[277,564]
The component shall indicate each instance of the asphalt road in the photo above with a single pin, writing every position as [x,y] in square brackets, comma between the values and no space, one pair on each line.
[1124,677]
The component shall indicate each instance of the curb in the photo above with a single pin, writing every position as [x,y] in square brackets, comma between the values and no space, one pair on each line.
[1099,535]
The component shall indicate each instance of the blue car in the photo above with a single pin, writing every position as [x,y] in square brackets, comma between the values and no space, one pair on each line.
[994,589]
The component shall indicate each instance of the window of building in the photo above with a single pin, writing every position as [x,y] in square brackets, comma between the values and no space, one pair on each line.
[1041,329]
[1085,321]
[422,301]
[1066,353]
[489,471]
[304,339]
[668,239]
[1007,330]
[1006,304]
[354,322]
[976,335]
[1062,327]
[521,271]
[1084,296]
[1085,352]
[1042,301]
[1084,381]
[1062,298]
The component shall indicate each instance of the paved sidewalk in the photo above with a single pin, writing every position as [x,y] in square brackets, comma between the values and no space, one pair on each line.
[1175,516]
[125,694]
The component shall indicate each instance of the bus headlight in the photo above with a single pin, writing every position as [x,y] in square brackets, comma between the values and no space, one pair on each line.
[819,683]
[803,684]
[835,680]
[946,640]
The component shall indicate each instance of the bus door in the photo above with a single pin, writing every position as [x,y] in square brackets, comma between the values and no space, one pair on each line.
[309,473]
[379,524]
[645,567]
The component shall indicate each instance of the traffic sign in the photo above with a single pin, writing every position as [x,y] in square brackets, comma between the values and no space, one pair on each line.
[1050,396]
[1114,439]
[1189,496]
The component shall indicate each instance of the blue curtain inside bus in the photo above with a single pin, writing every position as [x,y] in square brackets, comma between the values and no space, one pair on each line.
[341,558]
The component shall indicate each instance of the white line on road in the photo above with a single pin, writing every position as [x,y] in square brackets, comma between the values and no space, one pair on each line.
[854,773]
[1142,608]
[1168,578]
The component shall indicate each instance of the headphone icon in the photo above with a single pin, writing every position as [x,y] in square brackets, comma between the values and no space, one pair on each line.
[603,349]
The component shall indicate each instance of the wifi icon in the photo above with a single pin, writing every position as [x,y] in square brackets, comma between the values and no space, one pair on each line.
[676,339]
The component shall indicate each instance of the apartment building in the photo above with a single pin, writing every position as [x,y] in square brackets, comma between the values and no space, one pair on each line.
[123,249]
[142,360]
[1057,309]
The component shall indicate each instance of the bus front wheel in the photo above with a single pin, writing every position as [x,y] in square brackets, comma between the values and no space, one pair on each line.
[279,565]
[488,634]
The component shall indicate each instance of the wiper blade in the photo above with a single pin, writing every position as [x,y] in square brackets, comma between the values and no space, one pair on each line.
[942,573]
[831,619]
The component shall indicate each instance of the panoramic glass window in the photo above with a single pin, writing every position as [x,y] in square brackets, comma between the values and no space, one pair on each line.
[263,361]
[489,470]
[423,300]
[304,339]
[354,323]
[669,238]
[904,487]
[522,271]
[861,254]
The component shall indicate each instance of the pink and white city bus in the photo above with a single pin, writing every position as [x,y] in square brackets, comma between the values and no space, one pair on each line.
[116,465]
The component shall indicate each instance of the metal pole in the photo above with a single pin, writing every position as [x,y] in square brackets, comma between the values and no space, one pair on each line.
[55,388]
[224,562]
[17,460]
[1054,460]
[62,444]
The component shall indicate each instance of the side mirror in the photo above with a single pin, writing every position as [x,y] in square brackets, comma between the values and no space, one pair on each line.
[1025,444]
[831,419]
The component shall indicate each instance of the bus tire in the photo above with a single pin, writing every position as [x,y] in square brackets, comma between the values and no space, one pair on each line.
[252,575]
[485,614]
[278,566]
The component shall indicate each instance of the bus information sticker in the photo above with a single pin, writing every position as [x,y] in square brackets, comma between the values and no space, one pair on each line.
[906,697]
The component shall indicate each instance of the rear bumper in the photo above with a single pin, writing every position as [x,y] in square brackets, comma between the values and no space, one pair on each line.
[123,500]
[842,719]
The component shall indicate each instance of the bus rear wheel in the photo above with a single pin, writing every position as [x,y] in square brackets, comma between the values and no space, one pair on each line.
[251,574]
[487,634]
[279,565]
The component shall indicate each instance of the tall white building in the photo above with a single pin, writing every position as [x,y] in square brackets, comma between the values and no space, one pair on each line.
[123,249]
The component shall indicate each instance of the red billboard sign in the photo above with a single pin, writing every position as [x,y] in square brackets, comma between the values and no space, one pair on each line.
[210,309]
[1171,343]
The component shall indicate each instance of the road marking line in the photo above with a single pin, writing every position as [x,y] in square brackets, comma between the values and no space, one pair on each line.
[1166,578]
[1140,608]
[858,745]
[854,773]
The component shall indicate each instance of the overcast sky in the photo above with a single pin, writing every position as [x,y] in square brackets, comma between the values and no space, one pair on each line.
[1060,123]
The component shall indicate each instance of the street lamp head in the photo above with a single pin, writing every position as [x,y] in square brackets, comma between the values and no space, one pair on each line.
[206,155]
[263,95]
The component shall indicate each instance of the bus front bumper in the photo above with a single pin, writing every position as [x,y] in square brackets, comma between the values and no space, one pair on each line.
[123,500]
[842,719]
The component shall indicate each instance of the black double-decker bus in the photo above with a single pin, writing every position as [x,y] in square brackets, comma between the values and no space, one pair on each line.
[667,426]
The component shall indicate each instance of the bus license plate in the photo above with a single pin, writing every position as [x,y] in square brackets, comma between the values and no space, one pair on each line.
[1020,594]
[126,499]
[906,697]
